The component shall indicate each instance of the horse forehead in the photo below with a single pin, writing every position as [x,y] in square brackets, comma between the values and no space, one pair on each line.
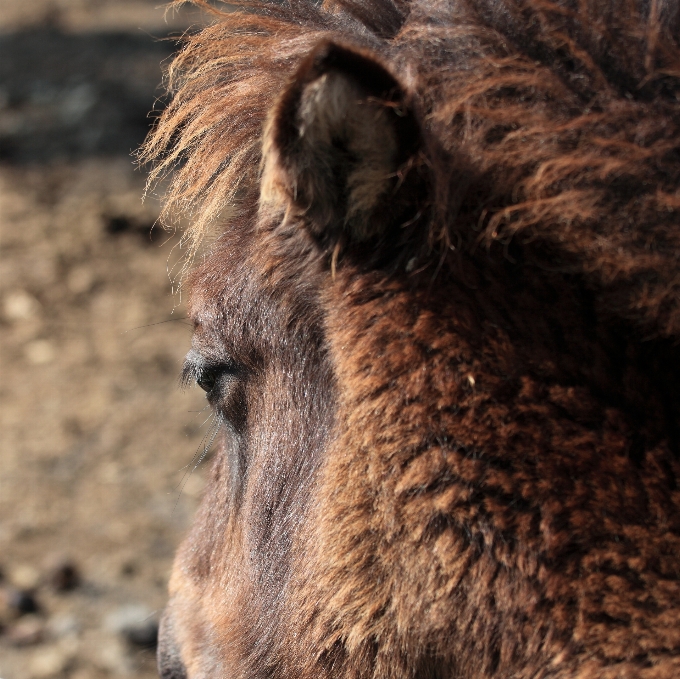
[218,282]
[250,305]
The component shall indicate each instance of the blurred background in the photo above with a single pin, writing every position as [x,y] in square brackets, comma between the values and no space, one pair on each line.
[97,484]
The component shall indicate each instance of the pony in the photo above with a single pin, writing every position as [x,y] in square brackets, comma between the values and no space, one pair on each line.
[434,291]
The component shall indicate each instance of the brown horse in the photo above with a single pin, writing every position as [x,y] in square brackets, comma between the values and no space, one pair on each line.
[439,325]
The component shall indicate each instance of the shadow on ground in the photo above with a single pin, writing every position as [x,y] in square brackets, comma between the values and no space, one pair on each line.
[65,97]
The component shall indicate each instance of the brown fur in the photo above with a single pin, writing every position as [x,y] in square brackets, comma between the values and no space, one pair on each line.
[450,443]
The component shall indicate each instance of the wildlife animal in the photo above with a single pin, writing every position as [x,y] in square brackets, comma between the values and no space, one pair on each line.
[435,290]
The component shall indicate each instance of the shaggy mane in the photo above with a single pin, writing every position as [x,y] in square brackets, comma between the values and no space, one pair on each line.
[556,122]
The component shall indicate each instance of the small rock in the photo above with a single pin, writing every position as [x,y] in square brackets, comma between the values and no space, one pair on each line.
[136,624]
[39,352]
[14,603]
[26,632]
[22,602]
[24,577]
[144,635]
[64,576]
[49,661]
[20,306]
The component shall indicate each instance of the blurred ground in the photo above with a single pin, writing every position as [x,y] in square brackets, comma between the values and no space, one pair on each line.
[94,434]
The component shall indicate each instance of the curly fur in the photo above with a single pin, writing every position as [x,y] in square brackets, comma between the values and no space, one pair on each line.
[459,446]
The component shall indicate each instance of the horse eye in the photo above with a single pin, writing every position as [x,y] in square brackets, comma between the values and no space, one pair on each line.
[206,379]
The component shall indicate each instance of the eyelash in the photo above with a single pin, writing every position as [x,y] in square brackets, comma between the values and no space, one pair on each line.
[223,384]
[205,375]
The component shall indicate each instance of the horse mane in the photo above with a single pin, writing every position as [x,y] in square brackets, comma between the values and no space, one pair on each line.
[550,122]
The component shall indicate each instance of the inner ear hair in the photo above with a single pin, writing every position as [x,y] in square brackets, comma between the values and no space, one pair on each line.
[337,144]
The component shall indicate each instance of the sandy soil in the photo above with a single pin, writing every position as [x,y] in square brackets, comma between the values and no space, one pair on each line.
[95,436]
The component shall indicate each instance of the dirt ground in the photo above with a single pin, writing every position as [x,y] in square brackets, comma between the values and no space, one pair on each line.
[96,439]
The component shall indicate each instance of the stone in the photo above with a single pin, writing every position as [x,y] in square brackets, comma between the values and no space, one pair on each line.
[22,602]
[49,661]
[27,631]
[64,576]
[136,624]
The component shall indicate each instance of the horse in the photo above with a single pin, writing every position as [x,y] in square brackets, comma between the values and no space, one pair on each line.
[434,274]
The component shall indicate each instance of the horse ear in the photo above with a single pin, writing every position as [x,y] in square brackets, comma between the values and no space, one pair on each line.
[338,146]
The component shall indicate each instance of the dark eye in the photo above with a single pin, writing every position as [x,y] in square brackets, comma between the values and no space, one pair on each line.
[223,382]
[211,377]
[206,378]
